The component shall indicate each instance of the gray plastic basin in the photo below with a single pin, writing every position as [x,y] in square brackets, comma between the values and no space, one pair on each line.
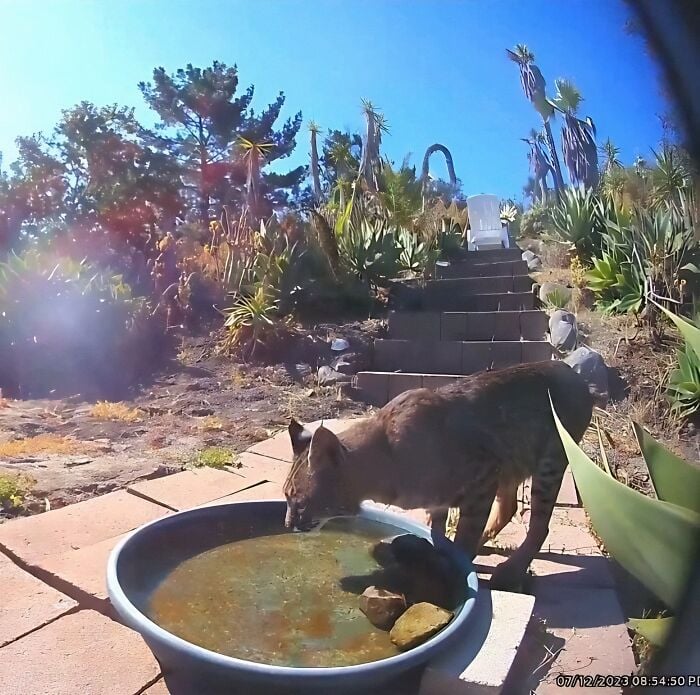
[141,560]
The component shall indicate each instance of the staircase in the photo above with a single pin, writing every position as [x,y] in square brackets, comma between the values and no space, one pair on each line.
[477,314]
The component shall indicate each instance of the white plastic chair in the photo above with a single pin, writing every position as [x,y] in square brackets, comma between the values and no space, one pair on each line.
[486,231]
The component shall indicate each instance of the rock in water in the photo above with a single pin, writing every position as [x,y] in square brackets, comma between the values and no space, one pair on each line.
[382,607]
[420,622]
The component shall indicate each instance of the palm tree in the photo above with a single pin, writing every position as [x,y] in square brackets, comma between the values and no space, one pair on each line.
[315,172]
[425,171]
[254,155]
[539,163]
[577,136]
[533,84]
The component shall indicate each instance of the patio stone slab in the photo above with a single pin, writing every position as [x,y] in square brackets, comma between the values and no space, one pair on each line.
[27,603]
[262,491]
[84,653]
[189,488]
[256,468]
[585,628]
[77,525]
[158,688]
[463,669]
[568,496]
[280,447]
[85,569]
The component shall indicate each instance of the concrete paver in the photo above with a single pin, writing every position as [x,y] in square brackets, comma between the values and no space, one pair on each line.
[76,526]
[27,603]
[262,491]
[476,665]
[189,488]
[255,468]
[85,569]
[84,653]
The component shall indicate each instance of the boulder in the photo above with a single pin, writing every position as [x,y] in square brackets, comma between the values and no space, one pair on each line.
[554,288]
[418,624]
[591,366]
[327,376]
[382,607]
[534,262]
[563,330]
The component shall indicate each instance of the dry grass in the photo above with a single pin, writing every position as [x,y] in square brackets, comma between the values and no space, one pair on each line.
[121,412]
[41,444]
[211,424]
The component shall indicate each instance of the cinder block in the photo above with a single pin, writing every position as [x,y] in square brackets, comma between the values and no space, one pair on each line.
[445,358]
[533,325]
[453,325]
[480,664]
[505,354]
[398,383]
[436,381]
[388,354]
[507,325]
[522,283]
[536,351]
[414,325]
[476,357]
[374,387]
[481,325]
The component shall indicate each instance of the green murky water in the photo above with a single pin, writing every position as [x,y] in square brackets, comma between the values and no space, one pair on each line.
[278,599]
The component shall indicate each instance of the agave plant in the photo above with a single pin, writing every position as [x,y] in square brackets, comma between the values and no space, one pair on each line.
[653,539]
[416,255]
[575,221]
[684,382]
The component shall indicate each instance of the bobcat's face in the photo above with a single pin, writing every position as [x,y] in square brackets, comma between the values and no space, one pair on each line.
[314,485]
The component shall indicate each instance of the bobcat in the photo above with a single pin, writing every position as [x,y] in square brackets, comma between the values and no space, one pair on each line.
[467,445]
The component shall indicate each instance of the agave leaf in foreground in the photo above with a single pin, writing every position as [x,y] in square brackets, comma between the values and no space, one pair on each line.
[674,479]
[654,630]
[653,540]
[690,333]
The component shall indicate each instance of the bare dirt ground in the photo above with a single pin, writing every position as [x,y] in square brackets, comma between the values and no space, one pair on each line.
[200,402]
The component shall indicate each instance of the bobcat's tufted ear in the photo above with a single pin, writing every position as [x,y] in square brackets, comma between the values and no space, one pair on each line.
[325,450]
[300,437]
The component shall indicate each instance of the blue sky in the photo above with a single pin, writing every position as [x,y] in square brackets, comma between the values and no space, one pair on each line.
[437,68]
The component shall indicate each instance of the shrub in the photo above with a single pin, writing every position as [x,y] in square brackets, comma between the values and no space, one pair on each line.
[214,457]
[14,487]
[67,328]
[535,222]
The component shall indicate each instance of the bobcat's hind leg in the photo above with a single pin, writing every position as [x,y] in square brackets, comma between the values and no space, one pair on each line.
[502,511]
[545,487]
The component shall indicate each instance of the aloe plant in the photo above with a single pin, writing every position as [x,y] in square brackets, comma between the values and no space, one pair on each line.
[653,539]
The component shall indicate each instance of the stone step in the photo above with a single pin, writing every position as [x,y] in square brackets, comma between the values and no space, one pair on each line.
[461,269]
[455,357]
[467,326]
[492,255]
[378,388]
[496,301]
[478,285]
